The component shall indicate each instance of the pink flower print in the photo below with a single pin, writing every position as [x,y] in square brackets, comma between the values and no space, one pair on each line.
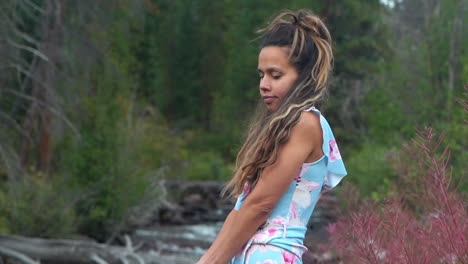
[293,210]
[246,189]
[264,236]
[334,151]
[268,261]
[302,193]
[288,257]
[272,231]
[278,220]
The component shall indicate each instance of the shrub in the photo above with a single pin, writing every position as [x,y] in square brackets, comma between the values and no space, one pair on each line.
[423,222]
[37,205]
[118,164]
[373,174]
[207,166]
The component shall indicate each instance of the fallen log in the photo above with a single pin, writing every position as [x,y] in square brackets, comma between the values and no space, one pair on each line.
[67,251]
[16,255]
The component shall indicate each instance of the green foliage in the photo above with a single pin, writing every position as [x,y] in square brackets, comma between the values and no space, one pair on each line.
[122,148]
[37,205]
[389,119]
[455,137]
[207,166]
[411,90]
[4,211]
[118,163]
[369,170]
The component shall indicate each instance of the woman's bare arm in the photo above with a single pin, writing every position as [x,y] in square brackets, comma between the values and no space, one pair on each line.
[241,225]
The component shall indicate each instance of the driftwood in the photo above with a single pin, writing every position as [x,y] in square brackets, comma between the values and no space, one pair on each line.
[16,255]
[26,249]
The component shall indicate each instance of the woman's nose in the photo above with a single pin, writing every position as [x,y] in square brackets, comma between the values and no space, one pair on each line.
[265,84]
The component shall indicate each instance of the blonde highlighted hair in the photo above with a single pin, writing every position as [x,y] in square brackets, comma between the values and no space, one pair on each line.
[309,44]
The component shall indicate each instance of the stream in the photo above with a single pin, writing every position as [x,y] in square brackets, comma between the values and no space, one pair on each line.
[178,244]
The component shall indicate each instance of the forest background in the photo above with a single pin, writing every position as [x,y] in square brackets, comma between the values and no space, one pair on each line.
[100,100]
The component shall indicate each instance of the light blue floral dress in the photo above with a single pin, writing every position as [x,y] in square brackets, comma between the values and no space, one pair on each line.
[280,240]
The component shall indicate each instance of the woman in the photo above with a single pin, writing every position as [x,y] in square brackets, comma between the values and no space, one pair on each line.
[289,155]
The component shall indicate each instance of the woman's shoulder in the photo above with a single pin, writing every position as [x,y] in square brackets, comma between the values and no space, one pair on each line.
[310,118]
[309,128]
[319,119]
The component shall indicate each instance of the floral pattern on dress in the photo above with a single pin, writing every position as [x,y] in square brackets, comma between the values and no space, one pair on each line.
[293,212]
[334,151]
[302,193]
[288,257]
[268,261]
[276,255]
[278,220]
[266,234]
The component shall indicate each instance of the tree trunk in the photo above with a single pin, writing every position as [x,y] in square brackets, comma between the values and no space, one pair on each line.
[39,116]
[453,57]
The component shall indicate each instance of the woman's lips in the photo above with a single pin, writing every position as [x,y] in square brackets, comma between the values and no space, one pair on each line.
[268,99]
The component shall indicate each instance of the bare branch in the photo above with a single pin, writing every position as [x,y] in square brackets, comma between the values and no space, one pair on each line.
[20,69]
[15,124]
[24,47]
[131,250]
[64,251]
[12,25]
[138,258]
[5,157]
[14,254]
[97,259]
[25,37]
[34,6]
[128,243]
[53,110]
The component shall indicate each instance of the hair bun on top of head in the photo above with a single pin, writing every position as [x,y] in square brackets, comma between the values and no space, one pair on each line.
[310,23]
[302,19]
[301,14]
[295,20]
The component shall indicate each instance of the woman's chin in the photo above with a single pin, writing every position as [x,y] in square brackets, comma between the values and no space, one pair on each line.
[271,107]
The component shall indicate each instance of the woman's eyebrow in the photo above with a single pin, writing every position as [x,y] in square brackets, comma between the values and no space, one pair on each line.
[270,69]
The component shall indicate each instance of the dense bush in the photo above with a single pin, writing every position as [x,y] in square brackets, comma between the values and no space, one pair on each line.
[423,221]
[38,205]
[369,169]
[207,166]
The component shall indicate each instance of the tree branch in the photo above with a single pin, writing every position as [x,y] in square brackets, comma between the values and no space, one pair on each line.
[66,251]
[14,254]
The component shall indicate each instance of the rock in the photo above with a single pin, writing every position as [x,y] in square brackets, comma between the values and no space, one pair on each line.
[192,199]
[193,202]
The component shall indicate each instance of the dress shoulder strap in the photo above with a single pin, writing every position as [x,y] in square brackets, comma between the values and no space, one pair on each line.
[335,166]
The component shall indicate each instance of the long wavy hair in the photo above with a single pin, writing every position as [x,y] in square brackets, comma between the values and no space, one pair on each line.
[309,44]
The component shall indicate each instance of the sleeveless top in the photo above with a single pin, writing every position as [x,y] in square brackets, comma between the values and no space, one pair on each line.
[287,224]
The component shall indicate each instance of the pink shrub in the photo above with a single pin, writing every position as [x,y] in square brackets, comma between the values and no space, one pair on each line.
[424,222]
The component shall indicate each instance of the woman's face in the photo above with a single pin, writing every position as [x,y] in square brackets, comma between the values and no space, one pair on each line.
[277,75]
